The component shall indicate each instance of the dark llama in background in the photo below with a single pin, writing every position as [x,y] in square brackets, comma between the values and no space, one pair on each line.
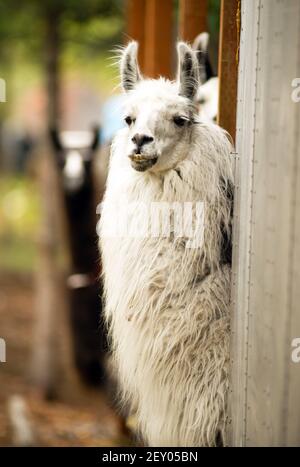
[74,153]
[207,99]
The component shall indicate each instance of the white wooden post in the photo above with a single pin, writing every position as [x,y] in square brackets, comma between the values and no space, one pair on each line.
[265,402]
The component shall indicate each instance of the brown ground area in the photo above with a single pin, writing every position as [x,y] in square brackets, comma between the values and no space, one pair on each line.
[88,420]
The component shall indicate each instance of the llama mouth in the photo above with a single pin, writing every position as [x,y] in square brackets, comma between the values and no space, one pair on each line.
[141,163]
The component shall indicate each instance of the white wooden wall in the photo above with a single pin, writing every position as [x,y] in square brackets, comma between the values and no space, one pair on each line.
[265,397]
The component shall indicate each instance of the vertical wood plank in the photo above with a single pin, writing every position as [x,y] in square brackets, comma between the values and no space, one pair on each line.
[192,18]
[228,64]
[242,225]
[158,38]
[264,397]
[135,11]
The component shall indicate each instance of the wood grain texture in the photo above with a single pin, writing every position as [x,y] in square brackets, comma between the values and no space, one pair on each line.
[135,12]
[158,38]
[228,65]
[192,18]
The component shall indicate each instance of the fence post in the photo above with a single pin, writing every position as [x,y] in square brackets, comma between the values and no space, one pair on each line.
[158,38]
[228,64]
[192,19]
[264,397]
[135,12]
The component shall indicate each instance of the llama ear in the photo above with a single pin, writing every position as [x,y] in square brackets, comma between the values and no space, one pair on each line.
[55,138]
[201,42]
[130,73]
[188,75]
[96,138]
[200,46]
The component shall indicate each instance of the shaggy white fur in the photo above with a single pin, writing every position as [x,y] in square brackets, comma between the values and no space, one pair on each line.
[168,305]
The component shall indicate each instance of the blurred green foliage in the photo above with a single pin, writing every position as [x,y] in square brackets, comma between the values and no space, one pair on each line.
[19,217]
[214,16]
[25,19]
[87,31]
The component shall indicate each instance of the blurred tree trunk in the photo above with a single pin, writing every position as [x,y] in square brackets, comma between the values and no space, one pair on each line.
[45,350]
[53,369]
[49,294]
[52,56]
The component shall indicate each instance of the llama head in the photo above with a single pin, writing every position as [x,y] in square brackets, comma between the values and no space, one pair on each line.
[74,153]
[159,114]
[208,99]
[208,93]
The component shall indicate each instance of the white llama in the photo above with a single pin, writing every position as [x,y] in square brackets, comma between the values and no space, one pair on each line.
[167,305]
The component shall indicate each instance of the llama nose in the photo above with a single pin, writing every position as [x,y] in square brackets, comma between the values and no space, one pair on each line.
[140,140]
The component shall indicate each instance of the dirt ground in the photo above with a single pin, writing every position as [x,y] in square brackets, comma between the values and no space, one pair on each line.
[87,421]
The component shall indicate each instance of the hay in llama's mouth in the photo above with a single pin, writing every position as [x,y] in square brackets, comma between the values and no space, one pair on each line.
[141,163]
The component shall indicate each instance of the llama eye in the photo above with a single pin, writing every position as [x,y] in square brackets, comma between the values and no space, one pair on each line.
[179,121]
[129,120]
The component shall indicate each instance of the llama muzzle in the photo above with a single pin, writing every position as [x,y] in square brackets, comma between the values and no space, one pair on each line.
[141,162]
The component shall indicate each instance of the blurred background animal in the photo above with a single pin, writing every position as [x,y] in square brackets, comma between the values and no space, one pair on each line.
[75,152]
[208,91]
